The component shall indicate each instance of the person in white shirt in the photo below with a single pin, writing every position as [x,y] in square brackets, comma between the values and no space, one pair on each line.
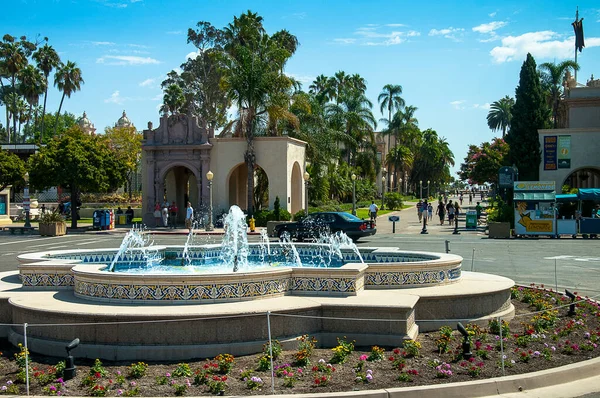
[373,210]
[189,215]
[165,214]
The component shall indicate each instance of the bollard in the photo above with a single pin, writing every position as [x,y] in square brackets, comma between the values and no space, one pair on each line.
[70,369]
[447,246]
[393,219]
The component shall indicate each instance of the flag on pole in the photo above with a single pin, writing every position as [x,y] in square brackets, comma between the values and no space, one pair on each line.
[578,28]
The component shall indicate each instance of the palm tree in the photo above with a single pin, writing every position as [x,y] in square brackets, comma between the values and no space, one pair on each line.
[33,84]
[47,59]
[68,80]
[338,85]
[553,76]
[173,99]
[14,58]
[390,99]
[320,88]
[500,114]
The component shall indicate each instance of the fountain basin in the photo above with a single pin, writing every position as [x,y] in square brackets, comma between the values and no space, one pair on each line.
[85,272]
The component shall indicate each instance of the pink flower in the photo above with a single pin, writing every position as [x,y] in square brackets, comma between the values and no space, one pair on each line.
[363,357]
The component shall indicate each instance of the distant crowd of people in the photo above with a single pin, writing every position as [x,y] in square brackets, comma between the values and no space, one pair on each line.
[445,209]
[165,215]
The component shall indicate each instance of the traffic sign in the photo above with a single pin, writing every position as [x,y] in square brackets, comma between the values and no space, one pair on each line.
[394,218]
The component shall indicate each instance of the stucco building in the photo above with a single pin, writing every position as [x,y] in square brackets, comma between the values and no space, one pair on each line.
[571,153]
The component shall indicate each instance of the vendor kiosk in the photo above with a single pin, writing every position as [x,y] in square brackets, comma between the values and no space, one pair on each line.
[535,208]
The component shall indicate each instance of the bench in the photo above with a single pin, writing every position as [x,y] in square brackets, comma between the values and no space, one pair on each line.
[21,230]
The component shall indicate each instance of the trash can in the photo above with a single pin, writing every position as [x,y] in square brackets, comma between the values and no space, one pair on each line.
[106,224]
[98,218]
[122,219]
[471,217]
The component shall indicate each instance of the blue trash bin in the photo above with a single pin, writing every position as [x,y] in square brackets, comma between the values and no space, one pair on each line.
[98,219]
[106,219]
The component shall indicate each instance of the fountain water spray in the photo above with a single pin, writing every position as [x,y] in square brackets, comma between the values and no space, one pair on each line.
[135,238]
[265,247]
[234,252]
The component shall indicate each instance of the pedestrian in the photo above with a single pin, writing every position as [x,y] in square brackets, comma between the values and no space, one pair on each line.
[173,210]
[478,209]
[165,214]
[129,215]
[470,198]
[419,206]
[43,208]
[373,209]
[441,211]
[156,214]
[456,209]
[451,212]
[460,198]
[189,215]
[482,195]
[429,211]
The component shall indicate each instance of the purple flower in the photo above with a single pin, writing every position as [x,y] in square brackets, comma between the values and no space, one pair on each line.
[369,376]
[553,348]
[52,388]
[586,335]
[60,380]
[8,383]
[133,384]
[536,353]
[4,388]
[119,392]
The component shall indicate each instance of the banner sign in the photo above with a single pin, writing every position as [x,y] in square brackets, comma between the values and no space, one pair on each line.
[564,152]
[506,177]
[535,186]
[550,147]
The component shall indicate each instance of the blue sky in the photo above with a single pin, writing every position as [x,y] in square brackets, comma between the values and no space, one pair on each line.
[452,58]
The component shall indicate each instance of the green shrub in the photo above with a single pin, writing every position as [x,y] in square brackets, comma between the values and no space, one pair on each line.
[393,201]
[501,212]
[261,217]
[277,209]
[299,216]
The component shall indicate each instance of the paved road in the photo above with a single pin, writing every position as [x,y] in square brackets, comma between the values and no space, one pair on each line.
[576,261]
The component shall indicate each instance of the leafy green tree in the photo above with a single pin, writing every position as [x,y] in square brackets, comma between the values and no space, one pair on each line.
[12,169]
[432,161]
[52,122]
[126,142]
[79,163]
[482,162]
[553,75]
[530,113]
[68,80]
[32,86]
[500,114]
[47,60]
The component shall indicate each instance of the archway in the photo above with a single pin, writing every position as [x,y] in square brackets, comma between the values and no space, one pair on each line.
[237,185]
[296,189]
[587,177]
[181,186]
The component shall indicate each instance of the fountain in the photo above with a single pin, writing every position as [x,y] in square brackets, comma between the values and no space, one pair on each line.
[189,307]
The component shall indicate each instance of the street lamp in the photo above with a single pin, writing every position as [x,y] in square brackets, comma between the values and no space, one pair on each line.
[353,194]
[209,177]
[306,178]
[428,188]
[382,192]
[421,189]
[26,203]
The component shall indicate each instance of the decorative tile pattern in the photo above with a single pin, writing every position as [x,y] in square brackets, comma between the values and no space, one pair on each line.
[341,285]
[398,278]
[182,292]
[56,280]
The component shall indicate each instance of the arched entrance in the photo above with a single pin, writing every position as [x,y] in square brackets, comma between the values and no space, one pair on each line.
[237,185]
[181,186]
[587,177]
[296,189]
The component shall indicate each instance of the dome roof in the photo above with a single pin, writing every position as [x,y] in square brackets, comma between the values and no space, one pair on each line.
[84,122]
[124,121]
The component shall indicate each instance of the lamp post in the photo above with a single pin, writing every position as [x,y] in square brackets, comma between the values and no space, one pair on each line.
[428,188]
[209,177]
[421,189]
[26,202]
[306,179]
[382,192]
[353,194]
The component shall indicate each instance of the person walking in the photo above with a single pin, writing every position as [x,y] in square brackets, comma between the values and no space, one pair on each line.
[441,211]
[470,198]
[419,208]
[373,209]
[156,214]
[460,198]
[429,212]
[173,210]
[165,214]
[189,216]
[451,211]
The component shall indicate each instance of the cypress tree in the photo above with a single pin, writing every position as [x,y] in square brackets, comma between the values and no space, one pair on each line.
[529,114]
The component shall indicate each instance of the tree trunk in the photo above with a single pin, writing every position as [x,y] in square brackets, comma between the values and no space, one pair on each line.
[389,182]
[44,112]
[250,158]
[14,107]
[6,109]
[58,113]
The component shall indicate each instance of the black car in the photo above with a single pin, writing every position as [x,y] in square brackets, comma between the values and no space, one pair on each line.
[316,224]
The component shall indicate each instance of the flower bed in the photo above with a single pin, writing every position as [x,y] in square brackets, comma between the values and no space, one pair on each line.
[541,336]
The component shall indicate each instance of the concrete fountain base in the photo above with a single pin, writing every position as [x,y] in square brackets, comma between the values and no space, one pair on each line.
[126,331]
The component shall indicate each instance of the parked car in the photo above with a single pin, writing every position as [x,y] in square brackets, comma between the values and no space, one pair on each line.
[316,224]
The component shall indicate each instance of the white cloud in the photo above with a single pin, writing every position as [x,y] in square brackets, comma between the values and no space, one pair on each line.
[147,82]
[395,25]
[448,33]
[115,98]
[103,43]
[126,60]
[545,44]
[175,32]
[304,79]
[485,106]
[192,55]
[344,41]
[489,28]
[492,14]
[458,104]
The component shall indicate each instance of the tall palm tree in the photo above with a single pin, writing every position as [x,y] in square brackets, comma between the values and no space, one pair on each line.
[500,114]
[390,99]
[338,85]
[321,88]
[47,60]
[33,85]
[173,99]
[68,80]
[553,76]
[14,58]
